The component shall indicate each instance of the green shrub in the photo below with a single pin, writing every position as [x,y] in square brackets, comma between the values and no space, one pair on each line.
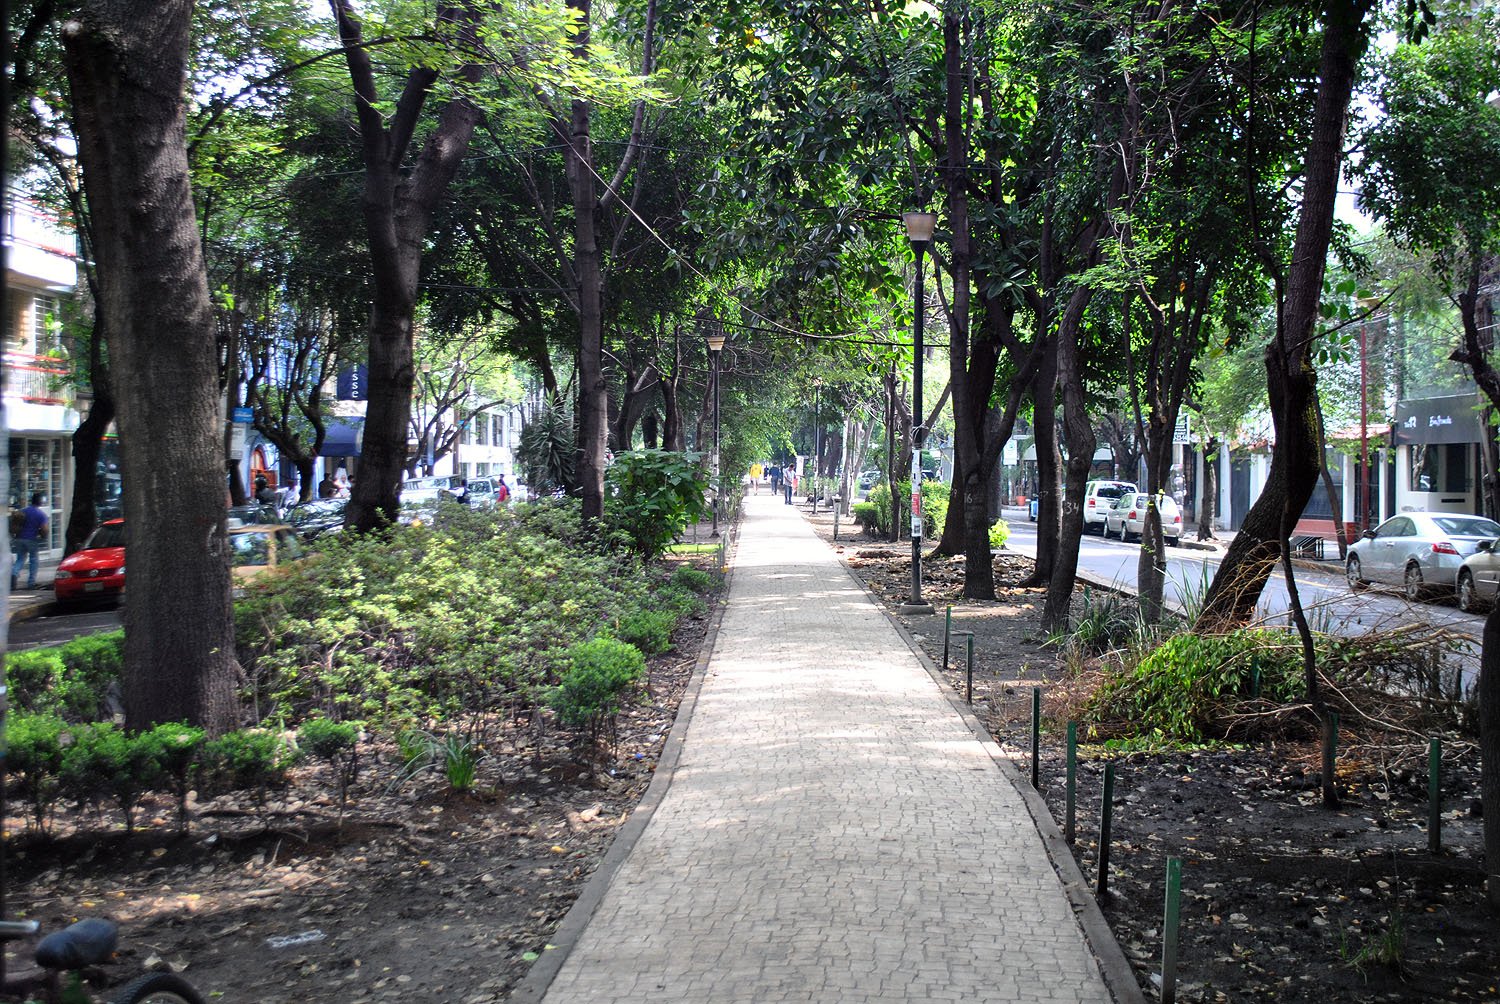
[935,497]
[1181,690]
[653,496]
[33,757]
[34,678]
[253,760]
[176,748]
[596,683]
[73,679]
[457,754]
[867,515]
[106,762]
[682,602]
[999,534]
[338,744]
[688,577]
[648,630]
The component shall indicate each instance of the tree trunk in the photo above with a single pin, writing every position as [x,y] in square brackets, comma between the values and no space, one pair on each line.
[1291,380]
[1336,504]
[1151,565]
[1079,430]
[1210,489]
[592,390]
[398,202]
[649,434]
[1048,465]
[88,439]
[127,67]
[1489,752]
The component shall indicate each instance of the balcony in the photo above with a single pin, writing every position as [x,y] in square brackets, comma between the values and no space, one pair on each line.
[38,379]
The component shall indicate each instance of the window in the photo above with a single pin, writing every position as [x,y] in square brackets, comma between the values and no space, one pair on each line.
[46,325]
[481,426]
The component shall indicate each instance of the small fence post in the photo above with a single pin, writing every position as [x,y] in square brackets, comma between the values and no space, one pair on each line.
[1070,814]
[969,672]
[947,634]
[1106,809]
[1170,918]
[1036,738]
[1434,795]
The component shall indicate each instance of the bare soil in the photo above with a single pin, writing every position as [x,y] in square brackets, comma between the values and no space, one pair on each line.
[427,897]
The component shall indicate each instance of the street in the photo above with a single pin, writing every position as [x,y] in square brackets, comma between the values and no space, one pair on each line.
[1327,599]
[54,629]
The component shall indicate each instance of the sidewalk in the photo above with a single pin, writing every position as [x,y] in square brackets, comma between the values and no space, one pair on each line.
[26,603]
[834,830]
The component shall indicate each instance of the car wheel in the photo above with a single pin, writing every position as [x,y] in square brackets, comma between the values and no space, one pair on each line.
[1468,597]
[1413,585]
[1351,571]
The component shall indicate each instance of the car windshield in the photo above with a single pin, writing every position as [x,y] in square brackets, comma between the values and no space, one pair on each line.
[250,548]
[309,511]
[108,535]
[1467,526]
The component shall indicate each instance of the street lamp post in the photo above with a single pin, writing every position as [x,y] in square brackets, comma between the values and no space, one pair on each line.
[715,339]
[919,228]
[817,453]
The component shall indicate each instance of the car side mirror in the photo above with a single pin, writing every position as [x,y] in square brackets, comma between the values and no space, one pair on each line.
[1368,535]
[1485,545]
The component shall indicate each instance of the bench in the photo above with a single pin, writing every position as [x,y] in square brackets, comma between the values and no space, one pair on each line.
[1308,545]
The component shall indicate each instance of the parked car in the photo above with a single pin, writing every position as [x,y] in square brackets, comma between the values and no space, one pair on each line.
[1098,497]
[1479,577]
[868,480]
[482,493]
[421,490]
[97,570]
[1417,550]
[316,517]
[1127,517]
[252,512]
[256,550]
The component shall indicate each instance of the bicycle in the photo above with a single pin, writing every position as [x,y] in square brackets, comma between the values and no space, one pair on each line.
[91,942]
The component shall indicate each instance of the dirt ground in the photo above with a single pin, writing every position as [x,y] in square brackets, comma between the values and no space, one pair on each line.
[430,898]
[1282,899]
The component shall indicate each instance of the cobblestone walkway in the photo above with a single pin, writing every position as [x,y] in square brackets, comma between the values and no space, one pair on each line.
[834,833]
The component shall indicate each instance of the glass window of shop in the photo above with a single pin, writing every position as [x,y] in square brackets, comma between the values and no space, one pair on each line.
[36,467]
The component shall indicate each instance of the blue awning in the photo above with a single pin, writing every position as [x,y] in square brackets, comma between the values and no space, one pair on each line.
[343,437]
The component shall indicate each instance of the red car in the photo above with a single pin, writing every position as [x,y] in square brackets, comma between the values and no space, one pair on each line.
[97,572]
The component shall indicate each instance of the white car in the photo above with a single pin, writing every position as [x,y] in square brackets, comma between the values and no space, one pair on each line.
[1098,497]
[1417,551]
[1127,517]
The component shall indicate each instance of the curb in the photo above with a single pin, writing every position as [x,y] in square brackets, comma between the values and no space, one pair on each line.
[538,979]
[30,611]
[1114,967]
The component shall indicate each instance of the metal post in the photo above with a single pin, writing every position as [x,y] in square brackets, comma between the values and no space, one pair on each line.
[1070,815]
[717,480]
[916,605]
[969,672]
[947,634]
[1363,492]
[1435,796]
[1036,738]
[817,405]
[1170,922]
[1106,810]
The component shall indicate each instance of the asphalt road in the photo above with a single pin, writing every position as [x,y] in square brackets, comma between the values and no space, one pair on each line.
[54,629]
[1330,604]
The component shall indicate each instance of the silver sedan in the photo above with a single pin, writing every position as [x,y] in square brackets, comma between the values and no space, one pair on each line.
[1417,550]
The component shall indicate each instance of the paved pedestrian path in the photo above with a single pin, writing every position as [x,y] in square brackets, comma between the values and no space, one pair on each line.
[834,831]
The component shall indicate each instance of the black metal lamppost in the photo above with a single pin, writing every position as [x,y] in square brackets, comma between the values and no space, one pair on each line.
[919,229]
[714,335]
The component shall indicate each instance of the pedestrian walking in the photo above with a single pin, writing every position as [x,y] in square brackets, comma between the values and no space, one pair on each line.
[789,483]
[327,489]
[27,535]
[776,480]
[755,472]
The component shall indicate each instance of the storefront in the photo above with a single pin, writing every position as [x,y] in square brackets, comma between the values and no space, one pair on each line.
[1437,454]
[39,466]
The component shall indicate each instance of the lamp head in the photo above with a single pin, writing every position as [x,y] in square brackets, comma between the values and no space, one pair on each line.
[919,226]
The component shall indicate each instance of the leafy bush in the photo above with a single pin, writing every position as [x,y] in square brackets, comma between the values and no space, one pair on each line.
[105,762]
[653,496]
[682,602]
[72,680]
[999,534]
[456,754]
[176,748]
[688,577]
[546,450]
[935,497]
[867,515]
[34,757]
[338,744]
[1183,689]
[423,623]
[253,760]
[594,686]
[648,630]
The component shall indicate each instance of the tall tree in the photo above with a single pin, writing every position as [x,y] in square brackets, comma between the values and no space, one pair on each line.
[399,200]
[126,67]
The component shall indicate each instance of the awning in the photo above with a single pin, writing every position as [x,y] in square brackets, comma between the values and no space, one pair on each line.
[343,437]
[1438,420]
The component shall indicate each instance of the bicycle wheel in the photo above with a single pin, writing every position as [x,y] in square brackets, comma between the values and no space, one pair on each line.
[158,988]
